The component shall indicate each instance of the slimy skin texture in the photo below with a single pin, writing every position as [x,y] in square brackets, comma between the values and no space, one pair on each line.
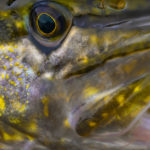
[90,92]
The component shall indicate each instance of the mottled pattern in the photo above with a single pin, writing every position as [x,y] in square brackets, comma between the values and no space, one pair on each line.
[91,92]
[15,80]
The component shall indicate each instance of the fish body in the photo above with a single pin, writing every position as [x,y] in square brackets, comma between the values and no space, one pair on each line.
[84,86]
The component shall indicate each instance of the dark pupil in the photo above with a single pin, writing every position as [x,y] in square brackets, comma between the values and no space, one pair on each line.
[46,23]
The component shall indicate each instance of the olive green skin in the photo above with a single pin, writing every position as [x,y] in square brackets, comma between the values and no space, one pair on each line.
[90,93]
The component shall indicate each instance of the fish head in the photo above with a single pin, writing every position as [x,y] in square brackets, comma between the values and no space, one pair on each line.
[74,74]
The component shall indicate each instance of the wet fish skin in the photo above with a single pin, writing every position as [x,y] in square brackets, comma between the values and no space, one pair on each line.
[95,86]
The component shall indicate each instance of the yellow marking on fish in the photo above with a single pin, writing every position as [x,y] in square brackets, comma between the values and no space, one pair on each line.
[66,123]
[25,69]
[13,72]
[89,91]
[3,76]
[117,4]
[15,46]
[22,108]
[45,102]
[4,13]
[27,101]
[30,137]
[18,74]
[2,105]
[22,66]
[11,64]
[13,83]
[32,126]
[84,60]
[94,39]
[14,120]
[92,124]
[11,49]
[137,89]
[11,59]
[19,79]
[6,57]
[147,99]
[27,86]
[19,24]
[5,68]
[12,137]
[26,74]
[1,46]
[7,76]
[18,106]
[17,64]
[21,82]
[16,93]
[104,115]
[120,100]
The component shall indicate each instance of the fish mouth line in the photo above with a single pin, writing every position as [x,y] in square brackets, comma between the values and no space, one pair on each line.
[92,67]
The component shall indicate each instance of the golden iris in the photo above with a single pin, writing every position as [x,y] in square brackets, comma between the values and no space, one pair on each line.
[49,23]
[46,24]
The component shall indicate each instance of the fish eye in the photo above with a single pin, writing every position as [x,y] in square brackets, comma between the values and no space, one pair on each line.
[46,24]
[49,23]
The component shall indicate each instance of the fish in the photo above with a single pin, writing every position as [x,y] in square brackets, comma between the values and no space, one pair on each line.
[74,75]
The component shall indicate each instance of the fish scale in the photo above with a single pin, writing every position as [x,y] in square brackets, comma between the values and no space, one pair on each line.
[15,80]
